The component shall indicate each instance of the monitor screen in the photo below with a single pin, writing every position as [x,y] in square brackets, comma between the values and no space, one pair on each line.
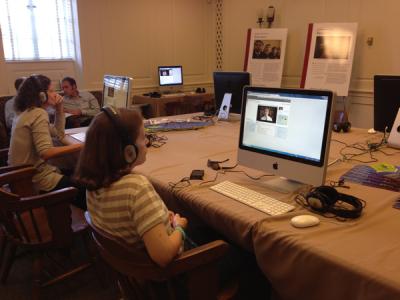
[117,91]
[286,132]
[386,101]
[170,75]
[233,83]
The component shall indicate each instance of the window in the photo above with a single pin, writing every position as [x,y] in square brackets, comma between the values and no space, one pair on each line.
[37,29]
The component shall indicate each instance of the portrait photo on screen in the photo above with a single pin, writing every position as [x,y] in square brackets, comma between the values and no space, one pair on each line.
[266,113]
[110,92]
[267,49]
[332,47]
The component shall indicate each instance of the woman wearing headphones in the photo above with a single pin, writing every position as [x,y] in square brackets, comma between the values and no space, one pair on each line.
[121,202]
[31,134]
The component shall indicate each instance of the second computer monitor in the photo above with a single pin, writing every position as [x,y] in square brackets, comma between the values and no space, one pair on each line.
[233,83]
[386,101]
[117,90]
[170,75]
[286,132]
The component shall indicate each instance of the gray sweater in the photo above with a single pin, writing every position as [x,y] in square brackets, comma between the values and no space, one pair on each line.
[30,136]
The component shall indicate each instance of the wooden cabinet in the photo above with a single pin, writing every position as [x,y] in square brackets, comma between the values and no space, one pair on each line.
[169,105]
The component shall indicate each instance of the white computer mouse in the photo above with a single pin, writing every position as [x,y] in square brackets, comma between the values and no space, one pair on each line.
[304,221]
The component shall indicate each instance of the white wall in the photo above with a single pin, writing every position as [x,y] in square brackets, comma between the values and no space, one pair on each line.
[132,37]
[379,20]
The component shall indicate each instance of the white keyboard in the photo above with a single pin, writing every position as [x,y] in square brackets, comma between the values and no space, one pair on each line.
[251,198]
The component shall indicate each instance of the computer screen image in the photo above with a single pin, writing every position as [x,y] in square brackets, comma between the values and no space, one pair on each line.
[117,91]
[286,132]
[170,75]
[386,101]
[232,83]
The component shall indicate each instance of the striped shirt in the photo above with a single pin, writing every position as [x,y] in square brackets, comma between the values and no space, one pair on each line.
[128,209]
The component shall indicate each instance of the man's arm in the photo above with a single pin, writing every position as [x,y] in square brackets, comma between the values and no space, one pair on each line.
[70,107]
[90,105]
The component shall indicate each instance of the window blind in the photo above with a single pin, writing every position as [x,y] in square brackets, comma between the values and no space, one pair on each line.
[37,29]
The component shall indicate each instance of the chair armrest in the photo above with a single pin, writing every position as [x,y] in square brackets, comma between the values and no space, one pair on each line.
[198,256]
[13,168]
[19,175]
[49,199]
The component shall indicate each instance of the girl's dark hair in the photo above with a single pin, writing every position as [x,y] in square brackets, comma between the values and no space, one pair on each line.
[102,161]
[28,92]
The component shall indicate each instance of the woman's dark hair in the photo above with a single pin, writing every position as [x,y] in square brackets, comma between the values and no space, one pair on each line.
[102,161]
[28,93]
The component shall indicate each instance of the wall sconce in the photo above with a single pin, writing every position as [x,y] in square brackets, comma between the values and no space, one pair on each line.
[269,18]
[270,15]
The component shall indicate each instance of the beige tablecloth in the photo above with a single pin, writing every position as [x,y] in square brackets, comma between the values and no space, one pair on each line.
[335,260]
[358,259]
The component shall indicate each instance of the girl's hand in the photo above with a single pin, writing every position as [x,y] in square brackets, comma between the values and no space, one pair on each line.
[55,100]
[180,221]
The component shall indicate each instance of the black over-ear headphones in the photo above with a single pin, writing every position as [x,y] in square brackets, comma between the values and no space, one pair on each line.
[43,96]
[130,150]
[323,199]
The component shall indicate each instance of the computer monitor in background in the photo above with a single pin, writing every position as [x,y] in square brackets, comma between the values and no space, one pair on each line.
[170,75]
[233,83]
[117,91]
[386,101]
[286,132]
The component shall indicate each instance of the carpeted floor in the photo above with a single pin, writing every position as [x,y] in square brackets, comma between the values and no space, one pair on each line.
[85,285]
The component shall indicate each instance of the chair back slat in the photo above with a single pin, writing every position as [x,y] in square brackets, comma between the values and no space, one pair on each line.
[39,219]
[60,221]
[35,226]
[23,233]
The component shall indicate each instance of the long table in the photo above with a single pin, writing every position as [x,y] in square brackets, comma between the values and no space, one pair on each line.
[342,260]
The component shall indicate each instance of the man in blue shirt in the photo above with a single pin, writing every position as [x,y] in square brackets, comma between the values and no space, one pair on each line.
[81,106]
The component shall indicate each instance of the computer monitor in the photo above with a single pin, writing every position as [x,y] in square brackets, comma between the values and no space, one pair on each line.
[117,91]
[170,75]
[233,83]
[386,101]
[286,132]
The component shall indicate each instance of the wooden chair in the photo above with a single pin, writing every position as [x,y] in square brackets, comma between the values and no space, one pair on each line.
[37,223]
[22,184]
[140,278]
[4,168]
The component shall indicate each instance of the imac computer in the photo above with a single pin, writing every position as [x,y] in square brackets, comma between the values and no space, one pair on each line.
[386,101]
[286,132]
[170,77]
[231,83]
[117,91]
